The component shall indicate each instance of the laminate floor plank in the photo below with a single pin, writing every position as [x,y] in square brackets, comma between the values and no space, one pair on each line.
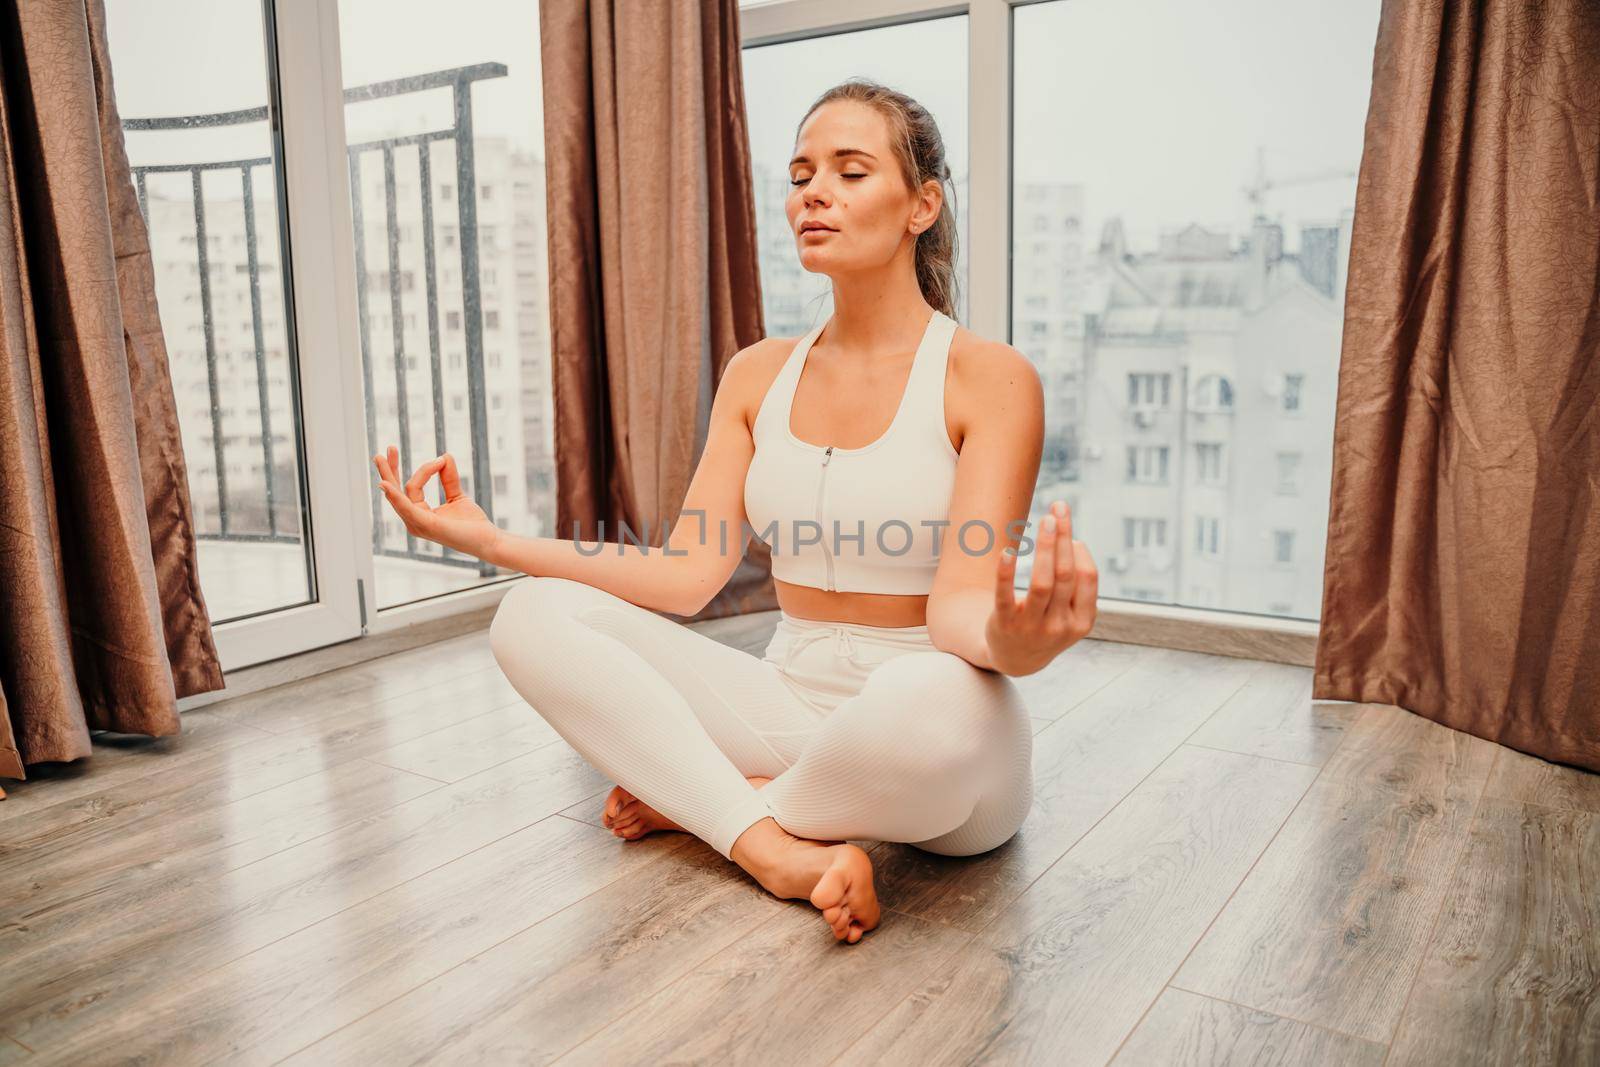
[784,993]
[532,997]
[1188,1030]
[75,966]
[1513,972]
[98,861]
[463,749]
[119,758]
[267,1004]
[1518,776]
[1084,764]
[1273,715]
[221,774]
[1075,676]
[1065,972]
[1331,925]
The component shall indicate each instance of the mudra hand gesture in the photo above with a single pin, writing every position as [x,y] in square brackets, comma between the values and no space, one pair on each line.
[1059,607]
[458,523]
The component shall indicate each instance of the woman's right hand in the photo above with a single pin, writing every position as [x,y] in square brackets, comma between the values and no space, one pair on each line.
[458,523]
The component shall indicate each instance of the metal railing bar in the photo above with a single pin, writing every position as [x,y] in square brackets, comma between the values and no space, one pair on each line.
[438,79]
[397,333]
[472,303]
[262,394]
[201,251]
[358,223]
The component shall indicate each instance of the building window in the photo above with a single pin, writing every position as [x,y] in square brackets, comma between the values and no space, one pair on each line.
[1149,390]
[491,320]
[1206,535]
[1213,393]
[1291,391]
[1283,546]
[452,320]
[1208,463]
[1289,473]
[1147,463]
[1144,533]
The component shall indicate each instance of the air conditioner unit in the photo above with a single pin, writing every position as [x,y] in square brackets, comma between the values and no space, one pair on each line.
[1117,562]
[1144,418]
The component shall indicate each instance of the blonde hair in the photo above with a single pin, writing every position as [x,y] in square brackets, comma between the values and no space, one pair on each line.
[918,146]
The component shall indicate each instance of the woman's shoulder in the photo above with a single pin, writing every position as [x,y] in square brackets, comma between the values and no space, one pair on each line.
[992,375]
[751,373]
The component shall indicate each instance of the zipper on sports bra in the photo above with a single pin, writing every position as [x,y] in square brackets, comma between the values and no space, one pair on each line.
[822,479]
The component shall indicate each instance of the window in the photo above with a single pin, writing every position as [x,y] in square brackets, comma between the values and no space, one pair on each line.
[1288,473]
[249,515]
[1283,546]
[1291,391]
[1147,463]
[1149,390]
[493,50]
[1213,393]
[1176,293]
[1144,533]
[926,59]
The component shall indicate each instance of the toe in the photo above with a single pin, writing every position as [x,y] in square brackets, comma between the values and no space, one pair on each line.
[829,890]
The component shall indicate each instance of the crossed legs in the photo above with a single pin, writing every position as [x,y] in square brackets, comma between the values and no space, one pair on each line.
[932,751]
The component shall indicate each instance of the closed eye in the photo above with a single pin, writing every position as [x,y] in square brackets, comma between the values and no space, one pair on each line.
[802,181]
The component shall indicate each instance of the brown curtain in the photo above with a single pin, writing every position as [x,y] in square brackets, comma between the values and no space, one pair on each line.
[102,625]
[1463,566]
[653,283]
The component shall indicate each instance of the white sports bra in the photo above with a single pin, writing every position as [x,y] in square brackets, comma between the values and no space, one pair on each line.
[872,519]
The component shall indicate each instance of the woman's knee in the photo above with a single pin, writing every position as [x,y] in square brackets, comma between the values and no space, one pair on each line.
[533,610]
[946,715]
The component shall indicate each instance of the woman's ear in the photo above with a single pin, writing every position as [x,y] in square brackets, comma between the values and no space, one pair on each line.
[930,201]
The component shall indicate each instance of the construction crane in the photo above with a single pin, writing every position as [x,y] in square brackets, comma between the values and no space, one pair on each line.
[1256,191]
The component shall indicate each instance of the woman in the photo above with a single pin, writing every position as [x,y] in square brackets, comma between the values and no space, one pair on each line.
[889,459]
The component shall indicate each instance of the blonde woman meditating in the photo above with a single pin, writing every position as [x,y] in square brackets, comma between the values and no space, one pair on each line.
[889,458]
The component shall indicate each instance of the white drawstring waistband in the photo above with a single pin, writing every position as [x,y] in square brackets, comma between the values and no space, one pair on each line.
[842,644]
[844,635]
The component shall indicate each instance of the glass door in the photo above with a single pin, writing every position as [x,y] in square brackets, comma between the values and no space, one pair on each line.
[237,239]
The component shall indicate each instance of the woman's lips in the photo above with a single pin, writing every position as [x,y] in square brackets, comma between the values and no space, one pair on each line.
[816,232]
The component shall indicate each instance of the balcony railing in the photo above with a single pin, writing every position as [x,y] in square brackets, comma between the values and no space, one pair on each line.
[459,81]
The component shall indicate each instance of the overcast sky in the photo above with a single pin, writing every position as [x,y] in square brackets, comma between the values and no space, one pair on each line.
[1157,107]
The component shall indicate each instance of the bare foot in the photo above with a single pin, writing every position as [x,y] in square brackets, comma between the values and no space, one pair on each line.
[631,818]
[835,877]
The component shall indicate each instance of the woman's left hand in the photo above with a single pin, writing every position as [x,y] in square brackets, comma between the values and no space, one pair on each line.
[1059,608]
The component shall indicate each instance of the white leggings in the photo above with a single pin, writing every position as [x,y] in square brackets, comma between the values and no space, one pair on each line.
[867,732]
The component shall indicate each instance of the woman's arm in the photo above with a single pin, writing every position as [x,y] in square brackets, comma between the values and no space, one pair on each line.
[700,554]
[972,610]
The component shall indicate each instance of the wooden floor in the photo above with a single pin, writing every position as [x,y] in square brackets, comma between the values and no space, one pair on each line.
[399,862]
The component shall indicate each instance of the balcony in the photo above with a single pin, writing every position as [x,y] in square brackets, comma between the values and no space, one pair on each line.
[251,526]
